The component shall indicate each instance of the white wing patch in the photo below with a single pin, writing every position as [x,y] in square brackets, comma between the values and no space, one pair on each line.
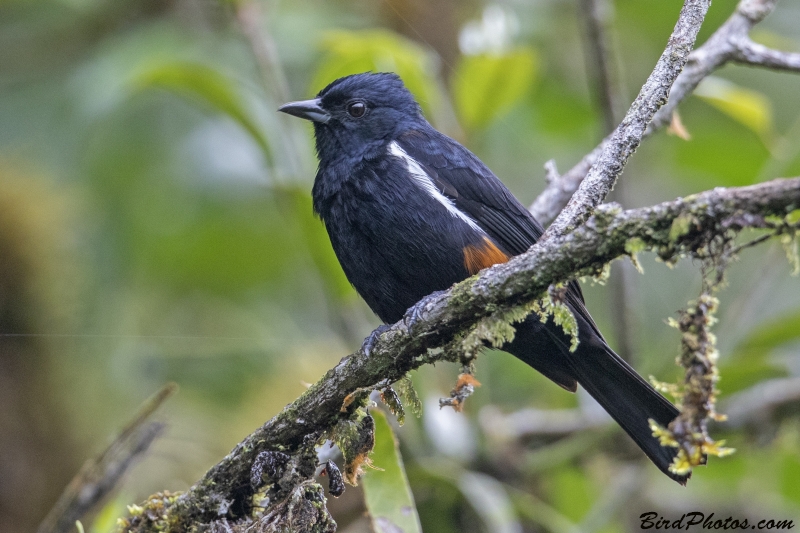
[425,182]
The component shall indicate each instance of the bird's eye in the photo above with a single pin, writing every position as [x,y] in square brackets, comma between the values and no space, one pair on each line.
[356,109]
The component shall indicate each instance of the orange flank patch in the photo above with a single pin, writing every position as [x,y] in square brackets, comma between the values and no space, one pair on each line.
[482,256]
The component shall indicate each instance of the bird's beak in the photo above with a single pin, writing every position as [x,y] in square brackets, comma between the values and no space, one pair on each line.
[307,109]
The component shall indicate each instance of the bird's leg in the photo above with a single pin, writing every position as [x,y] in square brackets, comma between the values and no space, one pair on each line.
[369,342]
[415,312]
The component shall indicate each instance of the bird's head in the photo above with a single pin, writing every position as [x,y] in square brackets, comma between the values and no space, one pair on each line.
[357,115]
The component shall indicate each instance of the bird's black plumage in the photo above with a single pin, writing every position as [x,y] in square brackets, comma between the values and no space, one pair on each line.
[410,211]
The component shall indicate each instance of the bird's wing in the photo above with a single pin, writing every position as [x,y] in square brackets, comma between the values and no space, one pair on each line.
[475,190]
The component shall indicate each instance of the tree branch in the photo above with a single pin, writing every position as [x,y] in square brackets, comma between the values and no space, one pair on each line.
[531,421]
[729,43]
[464,316]
[722,47]
[758,55]
[626,138]
[101,475]
[758,403]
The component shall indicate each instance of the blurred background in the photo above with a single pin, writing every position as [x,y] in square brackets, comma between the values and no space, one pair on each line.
[156,225]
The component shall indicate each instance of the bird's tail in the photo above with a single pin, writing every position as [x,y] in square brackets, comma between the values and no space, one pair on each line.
[628,398]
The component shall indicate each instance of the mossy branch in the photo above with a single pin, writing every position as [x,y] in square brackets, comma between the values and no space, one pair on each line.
[686,226]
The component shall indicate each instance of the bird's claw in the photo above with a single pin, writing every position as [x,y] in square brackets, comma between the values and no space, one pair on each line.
[369,342]
[415,312]
[413,315]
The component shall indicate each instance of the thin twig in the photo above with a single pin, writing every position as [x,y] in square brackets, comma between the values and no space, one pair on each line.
[759,402]
[751,243]
[758,55]
[599,58]
[718,50]
[99,476]
[536,422]
[248,15]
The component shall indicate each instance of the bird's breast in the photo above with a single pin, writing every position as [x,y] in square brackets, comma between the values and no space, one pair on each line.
[397,237]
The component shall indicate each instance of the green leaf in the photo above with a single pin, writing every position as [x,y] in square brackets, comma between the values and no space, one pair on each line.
[439,499]
[716,156]
[388,496]
[487,85]
[205,86]
[535,510]
[746,106]
[353,52]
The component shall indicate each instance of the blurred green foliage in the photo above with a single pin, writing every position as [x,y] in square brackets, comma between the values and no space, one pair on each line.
[350,52]
[156,224]
[749,107]
[487,85]
[206,85]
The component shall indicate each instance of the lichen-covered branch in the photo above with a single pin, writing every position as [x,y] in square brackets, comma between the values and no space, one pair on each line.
[758,55]
[726,44]
[729,43]
[444,320]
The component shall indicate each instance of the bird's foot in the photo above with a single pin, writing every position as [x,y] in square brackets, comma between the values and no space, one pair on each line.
[369,342]
[415,313]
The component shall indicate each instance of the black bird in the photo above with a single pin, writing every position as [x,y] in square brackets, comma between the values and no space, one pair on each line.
[410,211]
